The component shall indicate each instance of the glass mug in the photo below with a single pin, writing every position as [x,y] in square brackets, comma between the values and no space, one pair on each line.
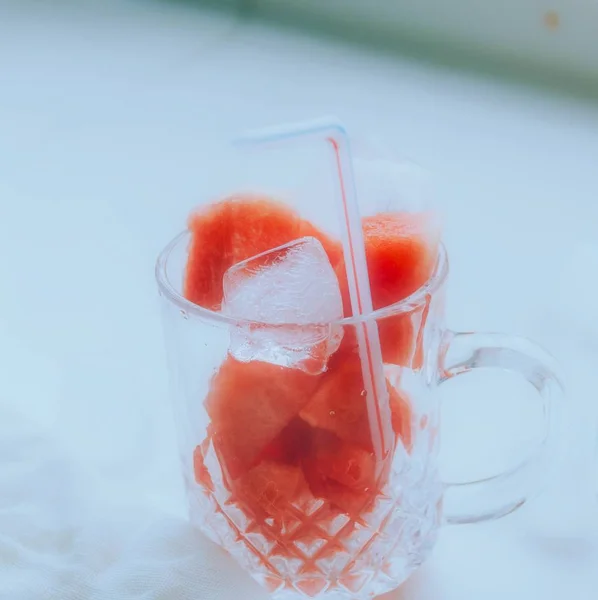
[303,545]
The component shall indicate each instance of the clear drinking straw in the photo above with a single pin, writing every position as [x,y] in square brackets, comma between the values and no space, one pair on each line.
[334,134]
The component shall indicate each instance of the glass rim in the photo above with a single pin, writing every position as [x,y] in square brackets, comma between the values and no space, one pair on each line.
[417,299]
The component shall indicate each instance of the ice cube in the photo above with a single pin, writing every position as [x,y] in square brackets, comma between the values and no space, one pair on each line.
[291,296]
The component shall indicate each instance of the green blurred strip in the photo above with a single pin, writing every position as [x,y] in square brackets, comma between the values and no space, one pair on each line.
[436,46]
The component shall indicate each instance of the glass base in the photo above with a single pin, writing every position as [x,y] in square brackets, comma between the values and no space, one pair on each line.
[319,553]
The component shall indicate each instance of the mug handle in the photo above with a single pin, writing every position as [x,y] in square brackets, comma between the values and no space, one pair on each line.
[498,495]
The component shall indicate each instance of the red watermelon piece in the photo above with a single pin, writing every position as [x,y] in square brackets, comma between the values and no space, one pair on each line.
[235,229]
[401,252]
[249,405]
[340,497]
[202,475]
[342,462]
[340,472]
[338,405]
[291,445]
[397,339]
[270,487]
[332,247]
[400,410]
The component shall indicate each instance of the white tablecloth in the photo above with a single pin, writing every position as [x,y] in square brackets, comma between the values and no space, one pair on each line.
[107,118]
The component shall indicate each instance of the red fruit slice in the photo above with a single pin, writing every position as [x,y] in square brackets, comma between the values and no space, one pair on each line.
[400,410]
[401,338]
[332,247]
[341,473]
[202,475]
[351,502]
[249,405]
[401,253]
[291,445]
[338,404]
[270,487]
[228,232]
[401,250]
[397,339]
[233,230]
[342,462]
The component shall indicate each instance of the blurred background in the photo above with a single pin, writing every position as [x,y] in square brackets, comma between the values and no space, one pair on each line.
[113,115]
[550,42]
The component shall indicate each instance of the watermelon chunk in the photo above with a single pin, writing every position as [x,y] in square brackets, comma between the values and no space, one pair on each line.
[343,462]
[291,445]
[397,339]
[340,497]
[401,253]
[202,475]
[270,487]
[338,404]
[235,229]
[249,405]
[340,472]
[400,410]
[332,247]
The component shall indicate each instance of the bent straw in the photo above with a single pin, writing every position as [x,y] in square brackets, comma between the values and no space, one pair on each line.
[333,133]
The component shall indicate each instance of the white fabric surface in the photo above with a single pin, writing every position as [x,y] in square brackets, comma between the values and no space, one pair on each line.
[61,538]
[108,118]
